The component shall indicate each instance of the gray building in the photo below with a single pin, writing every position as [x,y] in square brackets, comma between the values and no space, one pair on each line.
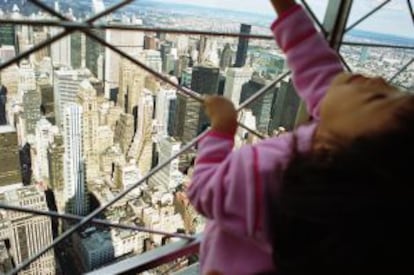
[285,108]
[9,157]
[243,46]
[261,107]
[205,81]
[31,104]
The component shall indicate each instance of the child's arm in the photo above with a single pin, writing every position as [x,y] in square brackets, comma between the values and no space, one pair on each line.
[313,62]
[223,184]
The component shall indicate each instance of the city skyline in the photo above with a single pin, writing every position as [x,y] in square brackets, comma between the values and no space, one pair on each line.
[394,18]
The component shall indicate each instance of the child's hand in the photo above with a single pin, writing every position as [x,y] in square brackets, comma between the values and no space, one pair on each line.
[222,114]
[282,5]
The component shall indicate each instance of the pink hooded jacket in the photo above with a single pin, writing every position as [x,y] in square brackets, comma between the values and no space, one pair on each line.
[228,185]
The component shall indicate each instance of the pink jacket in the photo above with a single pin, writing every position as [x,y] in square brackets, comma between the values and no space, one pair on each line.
[228,185]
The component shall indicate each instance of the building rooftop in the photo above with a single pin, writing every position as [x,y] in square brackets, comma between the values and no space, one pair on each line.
[7,129]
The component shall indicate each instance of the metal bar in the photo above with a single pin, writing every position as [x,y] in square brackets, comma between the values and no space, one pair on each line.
[410,8]
[345,63]
[376,45]
[152,259]
[324,31]
[402,70]
[315,19]
[94,221]
[83,25]
[336,19]
[356,23]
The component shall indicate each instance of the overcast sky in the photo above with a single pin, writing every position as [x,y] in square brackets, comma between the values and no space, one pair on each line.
[393,19]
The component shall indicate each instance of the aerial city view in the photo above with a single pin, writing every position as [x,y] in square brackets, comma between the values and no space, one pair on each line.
[80,124]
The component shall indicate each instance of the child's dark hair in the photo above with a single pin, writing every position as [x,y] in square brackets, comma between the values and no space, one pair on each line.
[350,211]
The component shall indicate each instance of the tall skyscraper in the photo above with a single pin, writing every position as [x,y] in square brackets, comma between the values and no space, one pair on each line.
[243,46]
[45,132]
[9,157]
[130,42]
[187,118]
[141,148]
[75,191]
[28,234]
[152,59]
[27,79]
[124,132]
[205,81]
[93,51]
[38,37]
[262,107]
[235,78]
[7,34]
[285,108]
[88,101]
[47,99]
[169,177]
[31,106]
[149,42]
[165,50]
[65,88]
[165,111]
[131,86]
[61,50]
[55,158]
[3,102]
[226,57]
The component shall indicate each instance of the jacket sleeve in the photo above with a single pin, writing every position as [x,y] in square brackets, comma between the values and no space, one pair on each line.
[313,63]
[227,185]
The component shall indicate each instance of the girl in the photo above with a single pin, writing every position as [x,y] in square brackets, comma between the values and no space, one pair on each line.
[285,204]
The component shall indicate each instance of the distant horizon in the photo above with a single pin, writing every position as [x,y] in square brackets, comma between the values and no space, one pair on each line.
[271,14]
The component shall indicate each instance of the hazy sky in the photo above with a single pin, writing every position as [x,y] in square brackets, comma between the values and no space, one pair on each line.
[393,19]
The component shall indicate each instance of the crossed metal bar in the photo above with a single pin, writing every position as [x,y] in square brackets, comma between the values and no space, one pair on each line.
[70,27]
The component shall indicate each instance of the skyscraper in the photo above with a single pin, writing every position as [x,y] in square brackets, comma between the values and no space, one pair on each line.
[285,108]
[65,88]
[130,42]
[169,177]
[3,102]
[243,46]
[235,78]
[31,106]
[75,191]
[28,234]
[186,118]
[165,50]
[55,158]
[226,57]
[131,85]
[9,157]
[90,121]
[141,148]
[165,111]
[7,34]
[205,81]
[124,132]
[93,51]
[262,107]
[61,50]
[45,132]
